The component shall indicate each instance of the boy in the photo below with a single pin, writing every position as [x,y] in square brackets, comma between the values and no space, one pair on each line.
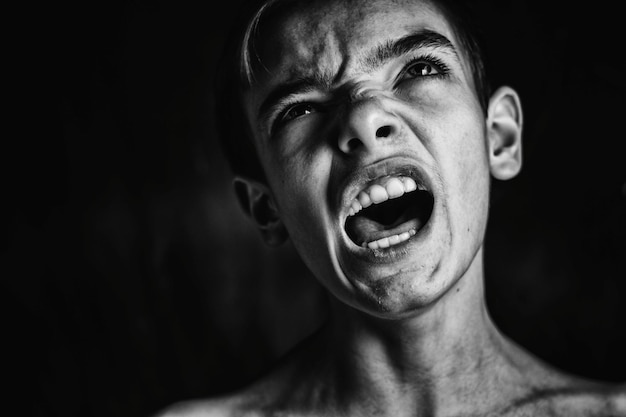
[365,132]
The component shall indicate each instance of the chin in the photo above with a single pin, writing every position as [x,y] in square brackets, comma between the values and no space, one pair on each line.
[403,294]
[403,283]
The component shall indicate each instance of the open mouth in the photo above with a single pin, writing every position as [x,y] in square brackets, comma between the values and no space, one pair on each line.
[388,212]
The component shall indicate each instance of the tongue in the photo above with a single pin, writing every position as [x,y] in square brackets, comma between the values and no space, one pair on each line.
[363,229]
[393,217]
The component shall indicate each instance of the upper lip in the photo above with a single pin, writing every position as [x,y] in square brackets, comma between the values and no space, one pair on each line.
[361,178]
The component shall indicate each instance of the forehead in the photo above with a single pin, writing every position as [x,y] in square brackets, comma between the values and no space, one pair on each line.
[303,38]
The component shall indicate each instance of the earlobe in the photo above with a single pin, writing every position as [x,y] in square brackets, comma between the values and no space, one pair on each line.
[258,204]
[504,130]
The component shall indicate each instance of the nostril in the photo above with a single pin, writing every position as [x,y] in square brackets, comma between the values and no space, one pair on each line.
[353,144]
[383,131]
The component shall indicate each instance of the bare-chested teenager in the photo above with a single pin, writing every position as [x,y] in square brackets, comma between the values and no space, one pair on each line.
[365,132]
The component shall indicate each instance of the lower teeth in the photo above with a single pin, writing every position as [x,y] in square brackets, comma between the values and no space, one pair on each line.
[389,241]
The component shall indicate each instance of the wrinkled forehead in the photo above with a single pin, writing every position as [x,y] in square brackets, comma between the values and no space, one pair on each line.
[304,38]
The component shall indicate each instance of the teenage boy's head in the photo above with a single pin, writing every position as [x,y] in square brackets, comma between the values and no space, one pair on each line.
[366,132]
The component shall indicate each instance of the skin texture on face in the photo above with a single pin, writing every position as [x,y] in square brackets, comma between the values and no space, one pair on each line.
[336,108]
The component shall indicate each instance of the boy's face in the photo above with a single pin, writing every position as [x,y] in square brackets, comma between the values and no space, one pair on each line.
[369,100]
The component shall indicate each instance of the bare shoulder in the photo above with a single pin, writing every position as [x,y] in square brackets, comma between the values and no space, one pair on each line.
[594,399]
[197,408]
[235,405]
[261,398]
[271,394]
[254,400]
[579,398]
[545,390]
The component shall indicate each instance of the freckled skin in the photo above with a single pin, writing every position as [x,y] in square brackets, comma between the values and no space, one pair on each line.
[409,334]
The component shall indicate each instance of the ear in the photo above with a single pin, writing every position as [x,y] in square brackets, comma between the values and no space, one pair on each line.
[504,133]
[258,204]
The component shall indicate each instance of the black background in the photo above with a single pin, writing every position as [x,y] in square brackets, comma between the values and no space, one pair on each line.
[130,279]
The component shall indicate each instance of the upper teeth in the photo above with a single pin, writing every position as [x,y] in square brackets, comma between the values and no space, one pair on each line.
[387,188]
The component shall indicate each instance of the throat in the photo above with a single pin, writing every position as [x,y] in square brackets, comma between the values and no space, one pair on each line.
[429,364]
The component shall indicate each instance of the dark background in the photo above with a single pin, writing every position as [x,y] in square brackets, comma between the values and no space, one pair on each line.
[130,279]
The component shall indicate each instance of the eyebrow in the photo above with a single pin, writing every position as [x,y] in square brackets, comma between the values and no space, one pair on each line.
[374,59]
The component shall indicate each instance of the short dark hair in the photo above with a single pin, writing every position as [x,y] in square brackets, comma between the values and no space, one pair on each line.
[239,61]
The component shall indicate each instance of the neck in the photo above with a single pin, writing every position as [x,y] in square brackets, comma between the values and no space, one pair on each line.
[440,360]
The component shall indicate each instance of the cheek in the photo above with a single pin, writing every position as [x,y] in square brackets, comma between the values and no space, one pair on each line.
[469,181]
[474,172]
[302,205]
[299,180]
[298,157]
[457,141]
[466,153]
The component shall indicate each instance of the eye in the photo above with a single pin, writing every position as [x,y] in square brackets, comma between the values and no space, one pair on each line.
[293,112]
[422,69]
[296,111]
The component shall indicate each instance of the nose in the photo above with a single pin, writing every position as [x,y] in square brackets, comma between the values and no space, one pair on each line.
[366,125]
